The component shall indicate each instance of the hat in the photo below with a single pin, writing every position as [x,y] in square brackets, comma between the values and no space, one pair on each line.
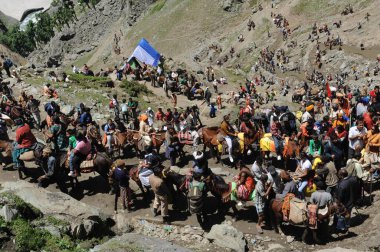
[198,155]
[119,163]
[310,107]
[149,109]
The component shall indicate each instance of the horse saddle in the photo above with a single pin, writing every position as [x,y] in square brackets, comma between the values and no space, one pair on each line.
[298,211]
[33,154]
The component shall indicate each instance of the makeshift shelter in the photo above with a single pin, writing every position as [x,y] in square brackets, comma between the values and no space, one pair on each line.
[145,53]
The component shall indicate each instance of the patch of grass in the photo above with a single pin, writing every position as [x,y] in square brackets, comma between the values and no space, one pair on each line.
[134,88]
[56,222]
[80,62]
[36,81]
[157,6]
[88,82]
[29,238]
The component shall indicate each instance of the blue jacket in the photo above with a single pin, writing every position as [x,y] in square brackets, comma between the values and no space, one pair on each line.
[85,118]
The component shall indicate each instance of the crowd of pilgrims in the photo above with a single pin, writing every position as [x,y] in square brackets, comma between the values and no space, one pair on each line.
[337,154]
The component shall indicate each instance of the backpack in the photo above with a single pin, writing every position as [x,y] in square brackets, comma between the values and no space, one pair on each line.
[8,63]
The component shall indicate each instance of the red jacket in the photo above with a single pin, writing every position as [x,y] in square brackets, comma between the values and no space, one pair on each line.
[25,137]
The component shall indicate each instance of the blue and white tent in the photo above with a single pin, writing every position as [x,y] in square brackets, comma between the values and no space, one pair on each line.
[145,53]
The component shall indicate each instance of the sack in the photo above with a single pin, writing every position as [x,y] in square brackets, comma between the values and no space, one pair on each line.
[195,197]
[297,214]
[350,168]
[8,63]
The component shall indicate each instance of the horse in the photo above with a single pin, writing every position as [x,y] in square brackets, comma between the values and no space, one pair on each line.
[101,164]
[222,191]
[275,206]
[210,140]
[134,138]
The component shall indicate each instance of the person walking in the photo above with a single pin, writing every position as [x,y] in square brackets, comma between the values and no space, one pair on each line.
[161,194]
[120,175]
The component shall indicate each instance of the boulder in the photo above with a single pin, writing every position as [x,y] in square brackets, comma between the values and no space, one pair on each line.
[83,219]
[137,242]
[83,229]
[8,213]
[54,231]
[226,236]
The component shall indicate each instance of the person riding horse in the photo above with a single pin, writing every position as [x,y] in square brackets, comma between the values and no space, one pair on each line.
[81,151]
[25,141]
[228,134]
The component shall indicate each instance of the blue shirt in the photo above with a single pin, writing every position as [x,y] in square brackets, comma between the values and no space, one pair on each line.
[85,118]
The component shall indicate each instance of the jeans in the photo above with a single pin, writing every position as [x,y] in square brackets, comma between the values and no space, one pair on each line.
[277,144]
[301,188]
[109,142]
[71,166]
[125,116]
[229,144]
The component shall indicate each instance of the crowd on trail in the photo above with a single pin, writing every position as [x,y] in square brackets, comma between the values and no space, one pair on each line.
[309,166]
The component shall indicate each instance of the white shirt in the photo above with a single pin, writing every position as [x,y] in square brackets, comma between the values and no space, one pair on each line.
[75,69]
[355,132]
[306,116]
[306,165]
[124,107]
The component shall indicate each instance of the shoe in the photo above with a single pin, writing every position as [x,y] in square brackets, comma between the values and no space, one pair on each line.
[231,160]
[71,174]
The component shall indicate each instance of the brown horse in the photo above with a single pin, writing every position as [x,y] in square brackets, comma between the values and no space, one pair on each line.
[222,191]
[134,138]
[277,217]
[209,137]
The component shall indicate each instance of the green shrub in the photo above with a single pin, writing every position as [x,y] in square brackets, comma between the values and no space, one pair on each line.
[28,238]
[134,88]
[90,81]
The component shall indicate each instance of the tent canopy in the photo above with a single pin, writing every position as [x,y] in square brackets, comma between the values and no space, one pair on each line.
[145,53]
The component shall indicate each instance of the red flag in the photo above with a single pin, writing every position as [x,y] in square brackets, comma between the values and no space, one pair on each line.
[328,89]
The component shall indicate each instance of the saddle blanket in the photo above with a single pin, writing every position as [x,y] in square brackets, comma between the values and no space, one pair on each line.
[187,137]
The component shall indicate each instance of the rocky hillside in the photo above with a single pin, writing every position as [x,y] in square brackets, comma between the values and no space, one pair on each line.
[94,29]
[186,32]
